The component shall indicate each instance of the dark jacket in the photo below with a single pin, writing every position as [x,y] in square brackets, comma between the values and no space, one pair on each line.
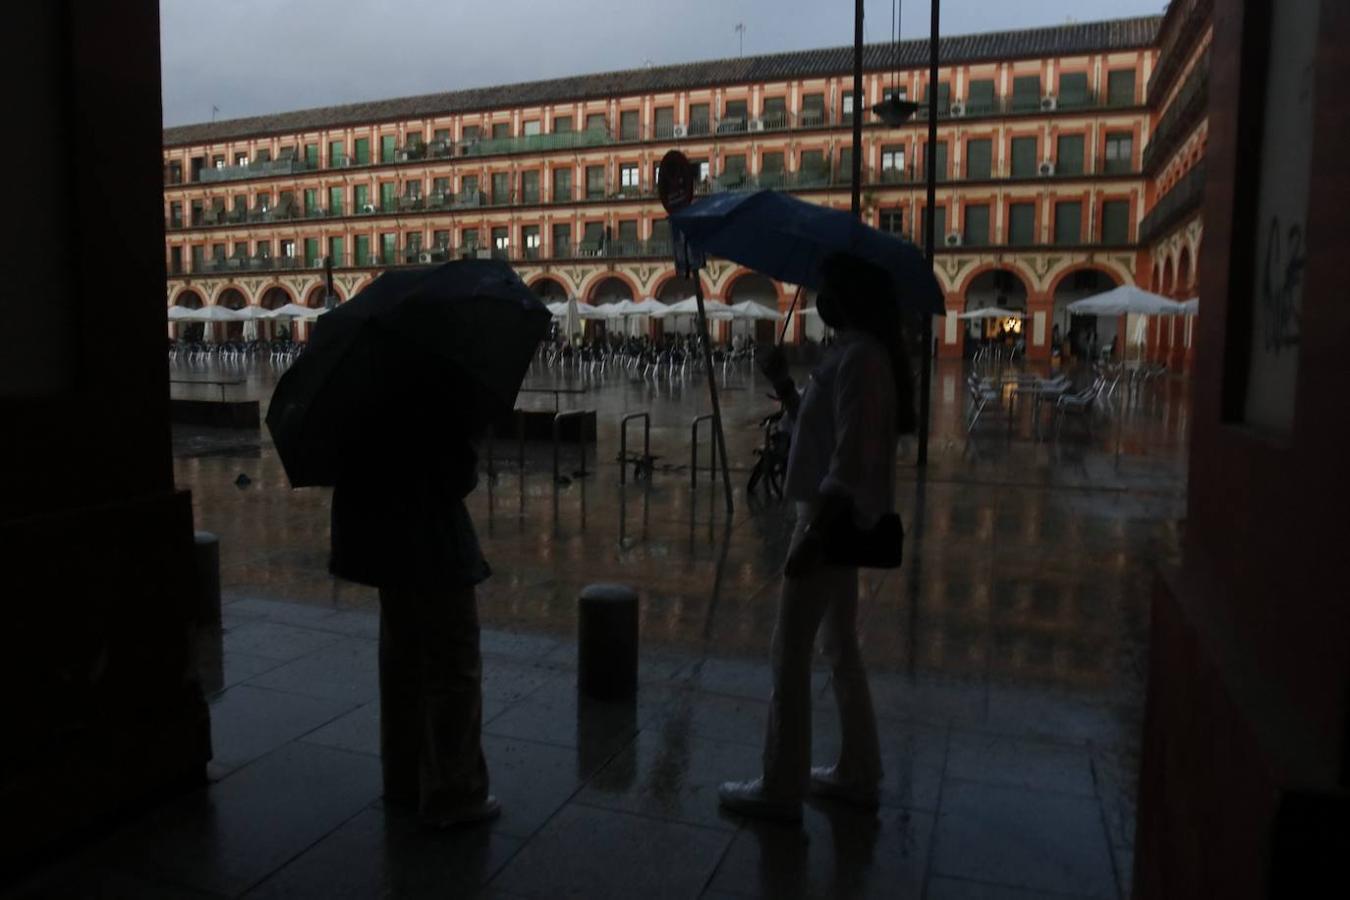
[399,518]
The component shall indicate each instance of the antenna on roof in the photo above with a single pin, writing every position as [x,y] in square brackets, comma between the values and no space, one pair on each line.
[740,36]
[214,111]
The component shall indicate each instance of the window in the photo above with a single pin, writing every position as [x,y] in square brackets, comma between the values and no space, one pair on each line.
[562,185]
[388,248]
[812,168]
[441,135]
[562,240]
[628,125]
[362,250]
[175,173]
[595,182]
[529,240]
[733,117]
[501,130]
[311,156]
[979,158]
[980,97]
[240,250]
[775,112]
[1022,224]
[1116,222]
[286,203]
[699,117]
[1026,93]
[198,259]
[361,198]
[975,230]
[1069,222]
[1069,155]
[939,224]
[1120,87]
[388,144]
[531,128]
[412,189]
[336,154]
[264,154]
[733,170]
[241,159]
[893,221]
[529,186]
[936,160]
[335,201]
[596,122]
[628,238]
[1024,162]
[1119,151]
[944,98]
[176,214]
[240,207]
[501,188]
[845,168]
[312,202]
[218,161]
[288,249]
[263,249]
[468,187]
[892,163]
[388,196]
[470,133]
[846,109]
[771,166]
[1073,90]
[440,189]
[468,239]
[263,201]
[312,258]
[337,251]
[628,178]
[592,237]
[660,240]
[501,242]
[175,260]
[702,168]
[813,110]
[665,122]
[362,148]
[562,124]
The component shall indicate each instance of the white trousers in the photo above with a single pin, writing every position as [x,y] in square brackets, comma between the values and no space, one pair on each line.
[826,597]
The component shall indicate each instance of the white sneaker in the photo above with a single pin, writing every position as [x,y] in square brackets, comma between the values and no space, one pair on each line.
[748,799]
[825,783]
[462,815]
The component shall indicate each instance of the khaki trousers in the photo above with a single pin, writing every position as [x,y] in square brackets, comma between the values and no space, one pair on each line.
[431,698]
[826,597]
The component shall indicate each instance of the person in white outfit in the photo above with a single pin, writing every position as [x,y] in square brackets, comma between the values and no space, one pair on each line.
[842,463]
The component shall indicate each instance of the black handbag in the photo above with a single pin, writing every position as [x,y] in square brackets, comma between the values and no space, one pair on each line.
[880,547]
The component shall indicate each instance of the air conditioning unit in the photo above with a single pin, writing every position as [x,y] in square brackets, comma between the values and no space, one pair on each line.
[367,207]
[1049,103]
[954,239]
[426,256]
[756,124]
[1047,168]
[958,109]
[681,131]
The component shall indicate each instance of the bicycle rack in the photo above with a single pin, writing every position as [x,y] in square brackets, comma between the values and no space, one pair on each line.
[623,442]
[693,448]
[581,438]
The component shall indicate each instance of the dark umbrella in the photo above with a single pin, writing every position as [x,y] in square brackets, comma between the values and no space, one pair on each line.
[787,238]
[452,341]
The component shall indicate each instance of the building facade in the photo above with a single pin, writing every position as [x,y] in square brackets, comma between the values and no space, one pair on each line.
[1043,184]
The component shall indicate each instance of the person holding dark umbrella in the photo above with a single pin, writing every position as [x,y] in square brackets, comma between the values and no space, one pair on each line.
[386,405]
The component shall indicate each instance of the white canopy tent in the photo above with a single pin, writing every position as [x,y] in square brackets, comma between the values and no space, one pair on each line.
[1125,300]
[1190,307]
[992,312]
[715,309]
[292,311]
[753,311]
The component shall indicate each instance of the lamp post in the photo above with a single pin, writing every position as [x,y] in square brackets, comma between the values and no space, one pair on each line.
[929,236]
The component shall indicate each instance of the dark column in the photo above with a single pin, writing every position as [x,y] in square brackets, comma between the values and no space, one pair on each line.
[102,708]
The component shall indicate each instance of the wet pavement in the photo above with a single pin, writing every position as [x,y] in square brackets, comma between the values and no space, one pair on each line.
[1007,656]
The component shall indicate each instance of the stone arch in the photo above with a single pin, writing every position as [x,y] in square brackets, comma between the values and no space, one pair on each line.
[671,287]
[1074,283]
[1026,278]
[1184,274]
[232,297]
[754,287]
[223,288]
[314,297]
[188,297]
[548,288]
[1111,270]
[275,296]
[1168,278]
[615,285]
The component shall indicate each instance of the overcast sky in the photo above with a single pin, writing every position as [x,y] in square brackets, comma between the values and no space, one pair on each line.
[260,56]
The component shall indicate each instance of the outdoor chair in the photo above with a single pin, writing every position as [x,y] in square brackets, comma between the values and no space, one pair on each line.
[1082,405]
[982,393]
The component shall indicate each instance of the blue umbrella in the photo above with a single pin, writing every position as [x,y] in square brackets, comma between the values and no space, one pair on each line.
[787,238]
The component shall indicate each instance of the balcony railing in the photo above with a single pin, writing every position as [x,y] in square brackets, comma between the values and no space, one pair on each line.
[1181,117]
[1184,197]
[254,169]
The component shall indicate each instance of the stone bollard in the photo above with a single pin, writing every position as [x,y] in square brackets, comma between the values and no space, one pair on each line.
[607,642]
[206,577]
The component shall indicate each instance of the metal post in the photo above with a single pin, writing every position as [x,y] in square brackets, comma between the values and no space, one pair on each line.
[858,106]
[712,390]
[623,442]
[929,237]
[693,448]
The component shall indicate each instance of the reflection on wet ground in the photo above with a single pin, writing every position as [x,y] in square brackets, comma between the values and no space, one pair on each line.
[1007,657]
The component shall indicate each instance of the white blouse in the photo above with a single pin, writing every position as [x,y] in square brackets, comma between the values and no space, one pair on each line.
[844,440]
